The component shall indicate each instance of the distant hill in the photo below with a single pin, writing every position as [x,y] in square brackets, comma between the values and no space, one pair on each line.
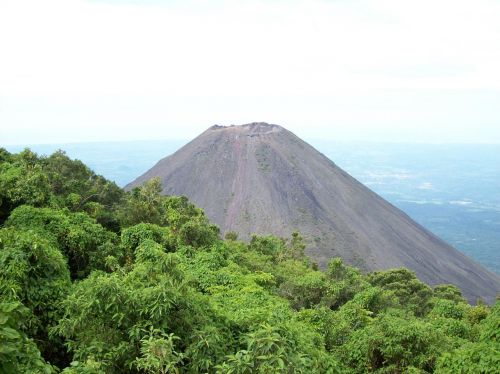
[261,178]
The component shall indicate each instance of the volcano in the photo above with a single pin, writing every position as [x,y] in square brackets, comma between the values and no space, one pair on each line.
[261,178]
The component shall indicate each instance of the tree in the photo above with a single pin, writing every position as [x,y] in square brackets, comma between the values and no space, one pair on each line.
[137,282]
[158,353]
[481,357]
[118,319]
[22,181]
[393,342]
[231,235]
[83,241]
[18,353]
[449,292]
[132,237]
[344,282]
[34,274]
[413,294]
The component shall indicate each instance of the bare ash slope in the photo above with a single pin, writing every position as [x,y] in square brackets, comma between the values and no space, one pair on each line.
[261,178]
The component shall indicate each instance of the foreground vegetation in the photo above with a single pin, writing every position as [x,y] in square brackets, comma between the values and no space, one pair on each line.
[96,280]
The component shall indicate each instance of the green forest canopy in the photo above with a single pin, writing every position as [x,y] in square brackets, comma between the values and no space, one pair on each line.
[94,279]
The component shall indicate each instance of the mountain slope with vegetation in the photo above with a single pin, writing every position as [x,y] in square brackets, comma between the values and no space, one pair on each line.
[97,280]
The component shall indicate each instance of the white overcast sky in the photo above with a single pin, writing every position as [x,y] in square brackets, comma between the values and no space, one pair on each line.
[410,71]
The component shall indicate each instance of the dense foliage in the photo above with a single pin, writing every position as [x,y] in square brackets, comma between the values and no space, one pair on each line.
[97,280]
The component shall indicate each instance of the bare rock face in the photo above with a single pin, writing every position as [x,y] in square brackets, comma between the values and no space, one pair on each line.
[261,178]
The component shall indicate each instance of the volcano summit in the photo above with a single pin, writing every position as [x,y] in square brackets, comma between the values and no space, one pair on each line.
[261,178]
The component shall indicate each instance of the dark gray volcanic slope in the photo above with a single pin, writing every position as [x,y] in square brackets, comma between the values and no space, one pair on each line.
[261,178]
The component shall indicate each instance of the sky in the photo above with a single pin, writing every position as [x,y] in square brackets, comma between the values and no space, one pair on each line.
[381,70]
